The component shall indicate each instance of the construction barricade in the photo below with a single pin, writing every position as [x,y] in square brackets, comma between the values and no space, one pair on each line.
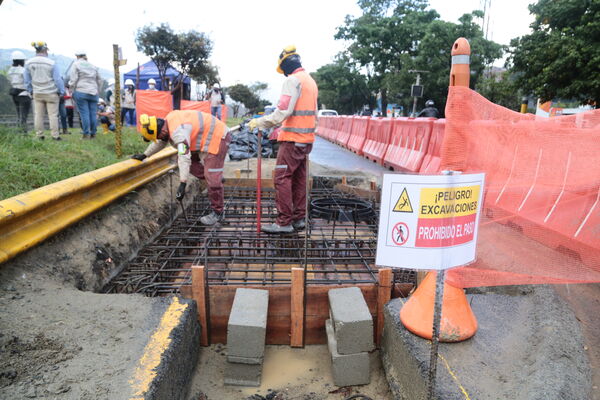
[377,139]
[431,161]
[360,126]
[344,129]
[203,106]
[408,144]
[542,198]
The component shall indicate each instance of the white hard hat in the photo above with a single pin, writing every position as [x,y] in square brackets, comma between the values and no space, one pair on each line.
[80,52]
[17,55]
[128,82]
[101,100]
[216,86]
[151,80]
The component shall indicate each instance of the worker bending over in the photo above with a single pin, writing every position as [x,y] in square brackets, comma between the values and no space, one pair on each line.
[202,142]
[296,112]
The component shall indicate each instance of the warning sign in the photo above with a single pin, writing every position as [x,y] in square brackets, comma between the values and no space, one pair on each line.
[440,231]
[403,203]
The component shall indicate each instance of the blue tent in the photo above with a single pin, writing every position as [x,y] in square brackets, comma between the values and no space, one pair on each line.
[149,70]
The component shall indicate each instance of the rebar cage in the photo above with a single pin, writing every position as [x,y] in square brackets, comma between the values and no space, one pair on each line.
[337,248]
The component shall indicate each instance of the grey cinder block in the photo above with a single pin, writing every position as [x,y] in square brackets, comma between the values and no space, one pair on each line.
[351,320]
[347,369]
[242,374]
[247,324]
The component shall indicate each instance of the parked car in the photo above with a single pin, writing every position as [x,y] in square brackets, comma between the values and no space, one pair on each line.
[326,112]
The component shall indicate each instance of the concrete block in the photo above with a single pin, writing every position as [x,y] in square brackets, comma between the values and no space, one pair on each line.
[351,320]
[244,360]
[247,324]
[347,369]
[242,374]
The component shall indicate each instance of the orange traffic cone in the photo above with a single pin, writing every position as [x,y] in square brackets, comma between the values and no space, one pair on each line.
[458,322]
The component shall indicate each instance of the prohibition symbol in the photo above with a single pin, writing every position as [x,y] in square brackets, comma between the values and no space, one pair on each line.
[400,233]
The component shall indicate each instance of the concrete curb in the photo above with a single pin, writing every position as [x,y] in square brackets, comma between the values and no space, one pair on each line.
[167,363]
[529,346]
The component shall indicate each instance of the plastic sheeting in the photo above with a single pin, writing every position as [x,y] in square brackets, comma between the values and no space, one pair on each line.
[152,102]
[244,144]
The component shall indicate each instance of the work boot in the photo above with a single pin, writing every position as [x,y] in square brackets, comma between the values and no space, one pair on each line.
[57,138]
[64,131]
[211,218]
[105,129]
[276,228]
[299,224]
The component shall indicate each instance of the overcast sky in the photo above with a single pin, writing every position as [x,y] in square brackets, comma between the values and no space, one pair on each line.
[247,35]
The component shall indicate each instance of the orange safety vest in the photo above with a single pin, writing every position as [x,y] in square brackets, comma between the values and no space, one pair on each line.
[300,126]
[207,130]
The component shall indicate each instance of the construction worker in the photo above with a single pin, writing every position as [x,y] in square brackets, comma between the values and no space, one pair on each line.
[18,90]
[86,83]
[216,98]
[202,142]
[106,115]
[296,112]
[152,84]
[429,110]
[128,97]
[43,80]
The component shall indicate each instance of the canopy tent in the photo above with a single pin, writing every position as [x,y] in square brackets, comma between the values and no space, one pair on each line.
[149,70]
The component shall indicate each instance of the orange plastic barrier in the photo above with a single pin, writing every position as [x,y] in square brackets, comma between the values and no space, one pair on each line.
[408,144]
[324,125]
[431,161]
[336,122]
[344,130]
[541,208]
[152,102]
[203,106]
[377,139]
[358,134]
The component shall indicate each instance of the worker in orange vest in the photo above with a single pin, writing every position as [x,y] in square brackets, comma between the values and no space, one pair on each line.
[202,142]
[297,114]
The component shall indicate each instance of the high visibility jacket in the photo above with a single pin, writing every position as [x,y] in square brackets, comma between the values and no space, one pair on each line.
[207,131]
[300,126]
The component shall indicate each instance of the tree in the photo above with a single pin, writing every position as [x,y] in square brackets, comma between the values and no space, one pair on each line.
[158,44]
[393,37]
[501,89]
[561,57]
[342,87]
[245,95]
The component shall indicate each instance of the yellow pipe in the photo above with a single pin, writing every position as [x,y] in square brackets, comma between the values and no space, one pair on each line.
[29,218]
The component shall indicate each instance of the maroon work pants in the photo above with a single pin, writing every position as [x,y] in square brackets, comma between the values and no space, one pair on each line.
[211,169]
[290,182]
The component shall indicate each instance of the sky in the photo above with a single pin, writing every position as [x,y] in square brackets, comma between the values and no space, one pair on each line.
[247,35]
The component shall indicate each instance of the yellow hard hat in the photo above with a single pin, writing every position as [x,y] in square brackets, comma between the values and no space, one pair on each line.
[39,45]
[149,127]
[288,51]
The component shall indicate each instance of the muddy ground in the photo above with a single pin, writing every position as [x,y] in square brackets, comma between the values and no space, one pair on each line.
[288,374]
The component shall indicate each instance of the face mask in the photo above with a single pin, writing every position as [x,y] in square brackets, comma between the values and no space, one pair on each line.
[151,86]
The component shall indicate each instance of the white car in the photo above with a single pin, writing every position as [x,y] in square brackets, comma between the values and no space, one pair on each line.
[326,112]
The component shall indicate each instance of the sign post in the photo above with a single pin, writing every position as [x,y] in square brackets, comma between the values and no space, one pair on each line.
[429,222]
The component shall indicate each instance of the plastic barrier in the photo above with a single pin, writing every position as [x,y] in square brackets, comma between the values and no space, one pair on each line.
[203,106]
[542,182]
[360,126]
[377,139]
[334,129]
[344,130]
[408,144]
[431,161]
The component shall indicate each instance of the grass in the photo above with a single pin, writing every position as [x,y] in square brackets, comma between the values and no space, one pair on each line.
[27,163]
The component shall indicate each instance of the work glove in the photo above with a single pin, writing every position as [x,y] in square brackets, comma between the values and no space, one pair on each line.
[253,124]
[180,191]
[139,157]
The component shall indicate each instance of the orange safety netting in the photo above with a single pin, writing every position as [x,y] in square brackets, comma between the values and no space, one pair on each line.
[203,106]
[541,211]
[152,102]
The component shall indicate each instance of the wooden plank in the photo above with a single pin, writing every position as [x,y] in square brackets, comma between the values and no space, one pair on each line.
[297,308]
[372,195]
[199,289]
[266,183]
[384,293]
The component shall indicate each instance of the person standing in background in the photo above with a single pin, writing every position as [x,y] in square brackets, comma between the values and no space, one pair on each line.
[152,84]
[216,98]
[43,80]
[69,106]
[18,90]
[128,103]
[85,81]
